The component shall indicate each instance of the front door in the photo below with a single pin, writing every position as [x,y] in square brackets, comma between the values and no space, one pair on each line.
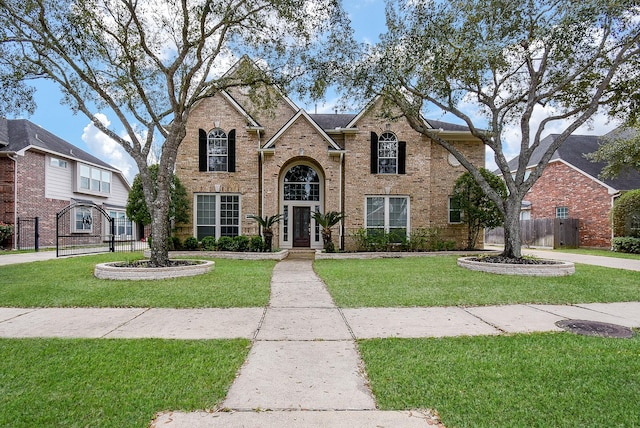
[301,227]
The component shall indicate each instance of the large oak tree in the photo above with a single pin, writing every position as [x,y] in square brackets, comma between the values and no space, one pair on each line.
[149,62]
[508,60]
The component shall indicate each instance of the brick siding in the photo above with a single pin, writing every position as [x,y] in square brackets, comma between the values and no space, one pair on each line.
[562,186]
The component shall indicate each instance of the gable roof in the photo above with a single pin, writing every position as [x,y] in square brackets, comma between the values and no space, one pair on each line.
[301,113]
[332,121]
[573,152]
[23,134]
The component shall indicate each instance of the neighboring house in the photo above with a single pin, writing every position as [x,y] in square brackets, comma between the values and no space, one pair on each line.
[238,160]
[570,187]
[41,174]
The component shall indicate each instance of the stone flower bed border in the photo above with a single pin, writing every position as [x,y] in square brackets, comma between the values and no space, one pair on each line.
[110,271]
[557,268]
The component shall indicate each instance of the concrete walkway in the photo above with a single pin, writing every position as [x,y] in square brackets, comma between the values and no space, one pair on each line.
[304,368]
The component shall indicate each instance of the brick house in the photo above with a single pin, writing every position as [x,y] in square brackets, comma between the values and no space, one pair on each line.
[239,160]
[41,174]
[570,187]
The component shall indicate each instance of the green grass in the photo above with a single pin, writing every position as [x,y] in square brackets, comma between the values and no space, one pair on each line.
[69,282]
[438,281]
[538,380]
[602,253]
[111,383]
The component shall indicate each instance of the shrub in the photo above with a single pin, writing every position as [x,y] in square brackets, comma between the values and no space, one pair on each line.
[174,243]
[225,243]
[5,231]
[191,243]
[626,244]
[208,243]
[256,244]
[241,243]
[625,215]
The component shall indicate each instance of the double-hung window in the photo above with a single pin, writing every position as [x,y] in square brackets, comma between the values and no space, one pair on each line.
[455,211]
[94,180]
[217,215]
[388,214]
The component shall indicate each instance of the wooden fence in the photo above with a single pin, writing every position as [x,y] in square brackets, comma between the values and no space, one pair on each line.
[542,232]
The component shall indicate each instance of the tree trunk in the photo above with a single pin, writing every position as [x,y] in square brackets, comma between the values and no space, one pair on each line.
[512,238]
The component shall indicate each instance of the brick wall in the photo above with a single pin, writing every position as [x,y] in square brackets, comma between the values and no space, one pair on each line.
[562,186]
[429,177]
[31,199]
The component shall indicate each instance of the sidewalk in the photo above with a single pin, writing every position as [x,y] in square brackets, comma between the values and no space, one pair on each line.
[304,368]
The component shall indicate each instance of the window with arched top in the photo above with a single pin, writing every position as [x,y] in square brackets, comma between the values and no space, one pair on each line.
[388,153]
[217,150]
[301,183]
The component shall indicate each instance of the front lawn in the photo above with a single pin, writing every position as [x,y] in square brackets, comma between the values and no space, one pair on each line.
[537,380]
[69,282]
[438,281]
[111,383]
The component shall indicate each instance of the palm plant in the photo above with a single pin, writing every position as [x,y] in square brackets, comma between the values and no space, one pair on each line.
[266,223]
[327,221]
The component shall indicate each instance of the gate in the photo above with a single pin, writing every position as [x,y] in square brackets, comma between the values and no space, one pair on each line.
[28,233]
[84,228]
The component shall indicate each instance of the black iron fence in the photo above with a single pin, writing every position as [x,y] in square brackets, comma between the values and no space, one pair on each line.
[28,233]
[86,228]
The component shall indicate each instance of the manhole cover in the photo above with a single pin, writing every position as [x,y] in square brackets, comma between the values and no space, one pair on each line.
[595,328]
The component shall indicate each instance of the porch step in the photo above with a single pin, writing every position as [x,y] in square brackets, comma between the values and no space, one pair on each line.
[302,253]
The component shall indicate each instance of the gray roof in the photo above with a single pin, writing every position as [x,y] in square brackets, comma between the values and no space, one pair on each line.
[573,151]
[21,133]
[332,121]
[446,126]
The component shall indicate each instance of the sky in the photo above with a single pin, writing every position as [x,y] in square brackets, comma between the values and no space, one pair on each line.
[368,21]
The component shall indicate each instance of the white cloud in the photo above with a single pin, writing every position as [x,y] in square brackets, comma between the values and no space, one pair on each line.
[103,147]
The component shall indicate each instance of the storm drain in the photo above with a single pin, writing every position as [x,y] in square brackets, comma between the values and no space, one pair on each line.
[595,328]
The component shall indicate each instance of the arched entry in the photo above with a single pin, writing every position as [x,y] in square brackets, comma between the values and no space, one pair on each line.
[302,192]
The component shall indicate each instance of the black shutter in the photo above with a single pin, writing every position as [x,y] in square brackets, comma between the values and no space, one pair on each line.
[202,150]
[374,153]
[231,151]
[402,157]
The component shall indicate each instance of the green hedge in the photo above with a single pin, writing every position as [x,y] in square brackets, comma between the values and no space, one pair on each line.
[626,244]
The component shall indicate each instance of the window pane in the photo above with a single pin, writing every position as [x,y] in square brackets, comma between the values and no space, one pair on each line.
[387,153]
[206,210]
[218,147]
[398,212]
[375,212]
[301,183]
[229,215]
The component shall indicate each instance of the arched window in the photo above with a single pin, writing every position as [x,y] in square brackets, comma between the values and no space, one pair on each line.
[388,153]
[217,150]
[301,183]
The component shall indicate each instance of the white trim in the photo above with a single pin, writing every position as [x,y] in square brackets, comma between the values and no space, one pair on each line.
[386,198]
[217,225]
[314,244]
[305,115]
